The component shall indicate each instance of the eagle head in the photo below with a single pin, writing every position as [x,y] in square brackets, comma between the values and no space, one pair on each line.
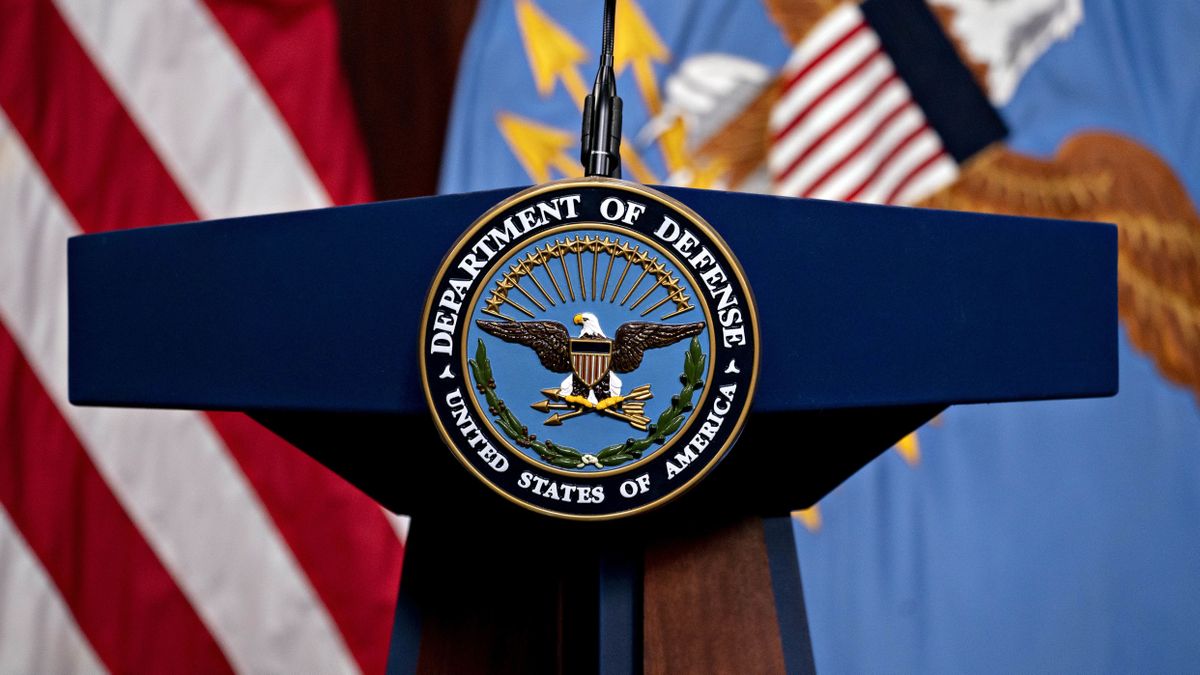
[591,325]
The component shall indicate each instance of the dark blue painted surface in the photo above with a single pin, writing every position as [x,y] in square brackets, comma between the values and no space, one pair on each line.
[620,620]
[940,83]
[859,305]
[404,646]
[789,595]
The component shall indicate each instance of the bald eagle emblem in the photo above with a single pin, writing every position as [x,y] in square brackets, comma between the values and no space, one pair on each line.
[497,336]
[591,361]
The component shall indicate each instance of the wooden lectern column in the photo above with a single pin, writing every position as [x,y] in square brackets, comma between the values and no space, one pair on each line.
[711,602]
[711,598]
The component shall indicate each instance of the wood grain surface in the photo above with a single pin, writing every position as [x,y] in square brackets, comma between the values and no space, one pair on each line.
[709,606]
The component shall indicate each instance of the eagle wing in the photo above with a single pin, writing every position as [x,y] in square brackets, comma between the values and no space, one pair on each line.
[548,339]
[796,18]
[635,337]
[1106,177]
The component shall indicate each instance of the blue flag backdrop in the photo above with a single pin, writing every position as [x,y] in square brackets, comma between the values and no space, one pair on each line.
[1009,538]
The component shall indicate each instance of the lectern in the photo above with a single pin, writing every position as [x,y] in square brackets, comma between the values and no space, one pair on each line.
[872,320]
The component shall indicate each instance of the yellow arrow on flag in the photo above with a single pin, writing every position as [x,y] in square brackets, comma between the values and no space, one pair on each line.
[673,142]
[910,449]
[555,55]
[538,147]
[638,45]
[708,175]
[811,517]
[633,161]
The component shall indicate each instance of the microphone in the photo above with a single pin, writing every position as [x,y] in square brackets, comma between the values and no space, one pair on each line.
[600,142]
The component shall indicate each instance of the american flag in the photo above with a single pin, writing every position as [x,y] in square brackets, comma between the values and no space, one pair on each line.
[169,541]
[846,126]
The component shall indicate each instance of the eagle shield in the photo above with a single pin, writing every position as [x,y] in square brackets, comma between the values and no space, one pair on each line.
[590,359]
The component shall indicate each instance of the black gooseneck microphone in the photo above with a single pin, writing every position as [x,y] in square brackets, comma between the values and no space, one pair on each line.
[600,146]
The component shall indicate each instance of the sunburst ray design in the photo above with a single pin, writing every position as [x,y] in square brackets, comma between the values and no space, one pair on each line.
[664,288]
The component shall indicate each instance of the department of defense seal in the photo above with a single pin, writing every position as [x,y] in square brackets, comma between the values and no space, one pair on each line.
[589,348]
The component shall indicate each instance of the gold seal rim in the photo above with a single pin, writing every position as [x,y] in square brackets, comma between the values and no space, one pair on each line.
[696,220]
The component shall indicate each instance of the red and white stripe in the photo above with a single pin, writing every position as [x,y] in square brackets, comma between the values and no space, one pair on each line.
[168,541]
[846,127]
[41,634]
[591,367]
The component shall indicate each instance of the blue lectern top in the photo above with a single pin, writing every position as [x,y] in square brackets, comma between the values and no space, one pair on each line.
[860,306]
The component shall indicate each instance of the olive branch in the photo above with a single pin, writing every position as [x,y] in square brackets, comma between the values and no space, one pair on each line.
[668,422]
